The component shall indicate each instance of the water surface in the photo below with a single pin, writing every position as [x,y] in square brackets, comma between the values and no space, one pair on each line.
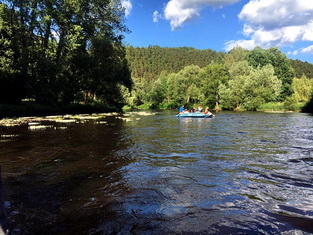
[248,173]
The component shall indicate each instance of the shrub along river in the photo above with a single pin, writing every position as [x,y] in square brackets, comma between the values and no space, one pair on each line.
[154,173]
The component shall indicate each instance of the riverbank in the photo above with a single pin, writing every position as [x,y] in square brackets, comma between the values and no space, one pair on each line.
[28,108]
[282,107]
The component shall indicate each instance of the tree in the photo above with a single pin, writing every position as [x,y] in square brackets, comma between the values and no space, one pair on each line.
[212,76]
[10,87]
[157,93]
[109,69]
[235,55]
[261,86]
[249,87]
[179,89]
[259,57]
[303,88]
[193,94]
[234,94]
[192,82]
[137,93]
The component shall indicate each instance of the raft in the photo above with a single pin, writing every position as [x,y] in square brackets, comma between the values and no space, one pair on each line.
[195,115]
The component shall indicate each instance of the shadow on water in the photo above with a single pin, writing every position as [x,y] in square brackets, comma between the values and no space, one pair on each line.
[247,173]
[64,181]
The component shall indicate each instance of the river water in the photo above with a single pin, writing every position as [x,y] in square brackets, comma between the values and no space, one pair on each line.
[153,173]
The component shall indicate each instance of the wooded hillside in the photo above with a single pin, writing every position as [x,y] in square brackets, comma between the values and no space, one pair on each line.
[149,62]
[302,68]
[240,79]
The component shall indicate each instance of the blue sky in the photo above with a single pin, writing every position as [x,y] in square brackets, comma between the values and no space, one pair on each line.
[222,24]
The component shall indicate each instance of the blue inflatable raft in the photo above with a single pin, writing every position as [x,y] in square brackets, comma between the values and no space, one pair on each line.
[194,115]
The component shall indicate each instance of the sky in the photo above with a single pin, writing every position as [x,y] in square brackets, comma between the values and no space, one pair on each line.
[221,25]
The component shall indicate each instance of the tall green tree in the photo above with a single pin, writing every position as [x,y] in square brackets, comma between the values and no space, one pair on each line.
[10,87]
[249,87]
[157,93]
[259,57]
[192,83]
[233,94]
[303,88]
[212,76]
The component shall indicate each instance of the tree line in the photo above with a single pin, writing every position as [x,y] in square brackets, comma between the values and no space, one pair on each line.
[62,51]
[238,80]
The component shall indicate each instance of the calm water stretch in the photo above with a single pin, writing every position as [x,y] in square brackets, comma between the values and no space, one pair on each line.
[238,173]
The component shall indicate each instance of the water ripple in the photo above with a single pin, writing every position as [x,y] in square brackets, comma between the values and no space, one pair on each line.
[238,173]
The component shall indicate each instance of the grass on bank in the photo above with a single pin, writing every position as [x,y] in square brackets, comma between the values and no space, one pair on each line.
[281,107]
[153,106]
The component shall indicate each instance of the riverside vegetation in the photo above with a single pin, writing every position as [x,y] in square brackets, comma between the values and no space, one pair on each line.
[258,79]
[70,57]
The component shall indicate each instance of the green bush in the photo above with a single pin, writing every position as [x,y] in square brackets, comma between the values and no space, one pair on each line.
[272,106]
[290,104]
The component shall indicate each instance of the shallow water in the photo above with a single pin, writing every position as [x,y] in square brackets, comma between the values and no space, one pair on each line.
[248,173]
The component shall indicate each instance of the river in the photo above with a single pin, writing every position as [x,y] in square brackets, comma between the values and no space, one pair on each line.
[154,173]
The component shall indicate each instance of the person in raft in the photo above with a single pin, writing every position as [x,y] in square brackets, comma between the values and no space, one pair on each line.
[207,111]
[200,108]
[182,109]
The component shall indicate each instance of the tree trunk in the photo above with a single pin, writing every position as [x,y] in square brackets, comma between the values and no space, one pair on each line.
[60,45]
[47,34]
[188,99]
[168,99]
[217,108]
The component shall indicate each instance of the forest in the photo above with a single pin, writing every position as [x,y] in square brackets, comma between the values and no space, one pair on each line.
[57,53]
[60,52]
[238,80]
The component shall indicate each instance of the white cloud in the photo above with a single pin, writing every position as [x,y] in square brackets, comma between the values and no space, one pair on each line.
[277,14]
[308,31]
[308,50]
[156,17]
[180,11]
[296,52]
[248,44]
[276,23]
[127,6]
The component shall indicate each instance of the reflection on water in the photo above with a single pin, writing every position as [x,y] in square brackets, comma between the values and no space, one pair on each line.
[245,173]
